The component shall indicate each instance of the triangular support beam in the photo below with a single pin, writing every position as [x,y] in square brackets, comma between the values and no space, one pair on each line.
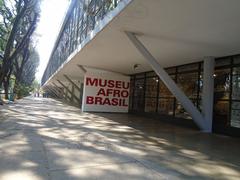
[187,104]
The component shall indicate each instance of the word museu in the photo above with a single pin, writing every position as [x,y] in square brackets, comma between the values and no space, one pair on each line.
[98,82]
[110,92]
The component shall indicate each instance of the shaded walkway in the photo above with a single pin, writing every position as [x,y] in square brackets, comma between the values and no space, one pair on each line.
[45,139]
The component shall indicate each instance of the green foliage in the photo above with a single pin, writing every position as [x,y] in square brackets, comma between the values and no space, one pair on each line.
[23,90]
[30,67]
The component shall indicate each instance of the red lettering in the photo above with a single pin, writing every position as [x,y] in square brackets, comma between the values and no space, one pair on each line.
[89,100]
[127,87]
[109,91]
[111,83]
[106,102]
[101,92]
[124,93]
[118,84]
[102,83]
[114,102]
[120,102]
[98,100]
[91,82]
[116,93]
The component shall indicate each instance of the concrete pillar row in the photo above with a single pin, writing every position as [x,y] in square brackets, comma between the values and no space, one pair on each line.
[202,122]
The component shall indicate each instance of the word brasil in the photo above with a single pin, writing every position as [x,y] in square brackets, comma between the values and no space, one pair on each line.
[109,92]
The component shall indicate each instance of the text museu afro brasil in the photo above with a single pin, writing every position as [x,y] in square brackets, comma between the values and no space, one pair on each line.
[109,92]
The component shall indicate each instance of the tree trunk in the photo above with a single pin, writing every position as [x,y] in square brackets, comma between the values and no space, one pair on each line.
[6,88]
[7,61]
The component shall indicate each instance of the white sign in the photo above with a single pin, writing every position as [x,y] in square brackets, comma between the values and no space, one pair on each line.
[105,92]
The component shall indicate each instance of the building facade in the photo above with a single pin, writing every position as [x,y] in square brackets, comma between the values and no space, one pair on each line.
[179,62]
[150,95]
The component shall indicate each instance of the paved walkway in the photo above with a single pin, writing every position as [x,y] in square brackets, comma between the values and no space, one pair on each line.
[45,139]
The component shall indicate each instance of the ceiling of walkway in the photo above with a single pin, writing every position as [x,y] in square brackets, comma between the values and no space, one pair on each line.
[175,32]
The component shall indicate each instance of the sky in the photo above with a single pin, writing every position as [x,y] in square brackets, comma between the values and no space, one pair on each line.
[52,15]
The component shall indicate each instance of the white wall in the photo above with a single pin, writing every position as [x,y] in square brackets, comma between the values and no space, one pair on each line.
[105,91]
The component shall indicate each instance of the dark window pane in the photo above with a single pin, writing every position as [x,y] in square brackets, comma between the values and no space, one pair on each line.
[222,62]
[236,70]
[166,106]
[138,76]
[163,90]
[151,74]
[189,84]
[189,67]
[221,84]
[236,87]
[236,60]
[138,104]
[221,113]
[150,104]
[139,87]
[151,87]
[131,94]
[235,115]
[171,70]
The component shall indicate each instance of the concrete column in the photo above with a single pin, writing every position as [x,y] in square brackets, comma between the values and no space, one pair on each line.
[208,91]
[175,90]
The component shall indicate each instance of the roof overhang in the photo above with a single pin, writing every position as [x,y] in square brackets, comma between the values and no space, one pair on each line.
[175,32]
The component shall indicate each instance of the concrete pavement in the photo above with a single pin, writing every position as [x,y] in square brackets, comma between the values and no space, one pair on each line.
[46,139]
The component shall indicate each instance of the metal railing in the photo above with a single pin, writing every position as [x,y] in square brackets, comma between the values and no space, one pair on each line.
[80,20]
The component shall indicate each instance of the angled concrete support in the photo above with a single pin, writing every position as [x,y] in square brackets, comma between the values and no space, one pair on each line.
[208,91]
[172,86]
[76,86]
[68,90]
[82,68]
[50,91]
[59,91]
[64,94]
[53,91]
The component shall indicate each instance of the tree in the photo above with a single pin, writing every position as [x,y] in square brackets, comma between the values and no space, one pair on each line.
[25,71]
[28,74]
[18,19]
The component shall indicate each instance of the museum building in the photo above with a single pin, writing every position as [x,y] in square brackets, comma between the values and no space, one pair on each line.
[177,61]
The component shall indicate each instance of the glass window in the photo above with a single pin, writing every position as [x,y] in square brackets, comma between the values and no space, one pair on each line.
[222,62]
[151,74]
[171,70]
[166,106]
[189,67]
[235,114]
[163,90]
[139,76]
[236,87]
[236,60]
[139,87]
[188,83]
[221,112]
[236,70]
[221,84]
[131,94]
[150,104]
[138,104]
[151,87]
